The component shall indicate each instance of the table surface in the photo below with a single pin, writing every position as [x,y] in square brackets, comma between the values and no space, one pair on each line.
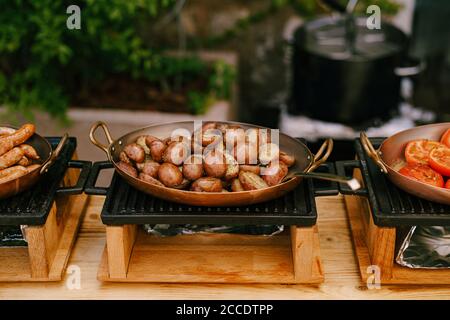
[342,279]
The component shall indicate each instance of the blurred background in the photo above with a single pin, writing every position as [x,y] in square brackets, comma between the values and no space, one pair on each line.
[313,68]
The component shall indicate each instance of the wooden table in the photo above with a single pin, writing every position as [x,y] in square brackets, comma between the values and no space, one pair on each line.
[342,280]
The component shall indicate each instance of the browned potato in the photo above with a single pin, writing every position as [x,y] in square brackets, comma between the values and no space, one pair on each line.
[149,167]
[233,137]
[124,158]
[29,151]
[149,139]
[183,185]
[251,181]
[11,157]
[128,168]
[268,152]
[142,141]
[287,158]
[135,152]
[246,153]
[225,191]
[170,175]
[157,148]
[193,167]
[250,168]
[176,153]
[211,136]
[214,164]
[149,179]
[207,184]
[232,170]
[274,173]
[236,185]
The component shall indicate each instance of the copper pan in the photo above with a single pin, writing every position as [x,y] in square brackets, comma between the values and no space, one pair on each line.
[306,161]
[48,157]
[390,158]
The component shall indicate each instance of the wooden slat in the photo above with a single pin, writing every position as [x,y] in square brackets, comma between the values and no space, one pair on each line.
[120,242]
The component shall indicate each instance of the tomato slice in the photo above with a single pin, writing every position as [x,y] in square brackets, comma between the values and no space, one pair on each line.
[423,173]
[447,185]
[446,138]
[417,151]
[439,160]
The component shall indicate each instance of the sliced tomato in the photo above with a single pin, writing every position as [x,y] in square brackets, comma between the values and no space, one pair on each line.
[417,151]
[447,185]
[423,173]
[445,139]
[439,160]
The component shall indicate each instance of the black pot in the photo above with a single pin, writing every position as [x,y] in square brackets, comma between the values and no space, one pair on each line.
[344,72]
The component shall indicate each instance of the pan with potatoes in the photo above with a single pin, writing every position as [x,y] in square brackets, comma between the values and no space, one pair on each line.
[210,163]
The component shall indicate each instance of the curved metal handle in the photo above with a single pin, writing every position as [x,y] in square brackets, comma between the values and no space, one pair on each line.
[410,71]
[371,152]
[94,128]
[55,154]
[322,155]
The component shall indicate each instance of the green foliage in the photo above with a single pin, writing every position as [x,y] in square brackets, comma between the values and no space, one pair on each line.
[43,63]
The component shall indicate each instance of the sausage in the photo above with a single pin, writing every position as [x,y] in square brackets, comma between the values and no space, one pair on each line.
[236,185]
[251,181]
[11,157]
[24,162]
[4,131]
[135,152]
[207,184]
[157,148]
[33,167]
[268,152]
[193,167]
[275,173]
[128,168]
[29,151]
[287,158]
[214,164]
[149,179]
[246,167]
[18,137]
[170,175]
[12,173]
[176,153]
[149,167]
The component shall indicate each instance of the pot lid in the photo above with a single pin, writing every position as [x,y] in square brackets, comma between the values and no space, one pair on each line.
[349,38]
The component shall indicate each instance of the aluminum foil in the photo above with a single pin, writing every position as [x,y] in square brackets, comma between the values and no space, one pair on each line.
[12,236]
[167,230]
[426,248]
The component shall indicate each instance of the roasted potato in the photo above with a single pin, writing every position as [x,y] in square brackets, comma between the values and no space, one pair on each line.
[128,168]
[149,167]
[135,152]
[193,167]
[176,153]
[124,158]
[246,153]
[157,148]
[142,141]
[214,164]
[207,184]
[170,175]
[236,185]
[183,185]
[232,170]
[251,181]
[268,152]
[274,173]
[149,179]
[149,139]
[256,169]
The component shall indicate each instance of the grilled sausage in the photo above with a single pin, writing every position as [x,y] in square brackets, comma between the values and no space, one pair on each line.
[128,168]
[287,158]
[157,148]
[149,179]
[193,167]
[149,167]
[33,167]
[268,152]
[29,151]
[170,175]
[207,184]
[275,173]
[24,162]
[251,181]
[12,173]
[11,157]
[21,135]
[4,131]
[135,152]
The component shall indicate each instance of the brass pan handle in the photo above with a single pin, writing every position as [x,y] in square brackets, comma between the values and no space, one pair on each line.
[371,152]
[94,140]
[55,154]
[322,155]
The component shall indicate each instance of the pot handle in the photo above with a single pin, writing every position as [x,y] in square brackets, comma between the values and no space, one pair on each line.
[55,154]
[85,167]
[322,155]
[94,140]
[341,168]
[409,71]
[371,152]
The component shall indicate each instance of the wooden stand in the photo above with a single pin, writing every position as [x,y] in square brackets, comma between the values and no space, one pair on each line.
[375,246]
[49,246]
[131,255]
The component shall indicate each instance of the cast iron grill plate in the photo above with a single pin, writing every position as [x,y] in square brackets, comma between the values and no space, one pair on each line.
[126,205]
[32,207]
[392,206]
